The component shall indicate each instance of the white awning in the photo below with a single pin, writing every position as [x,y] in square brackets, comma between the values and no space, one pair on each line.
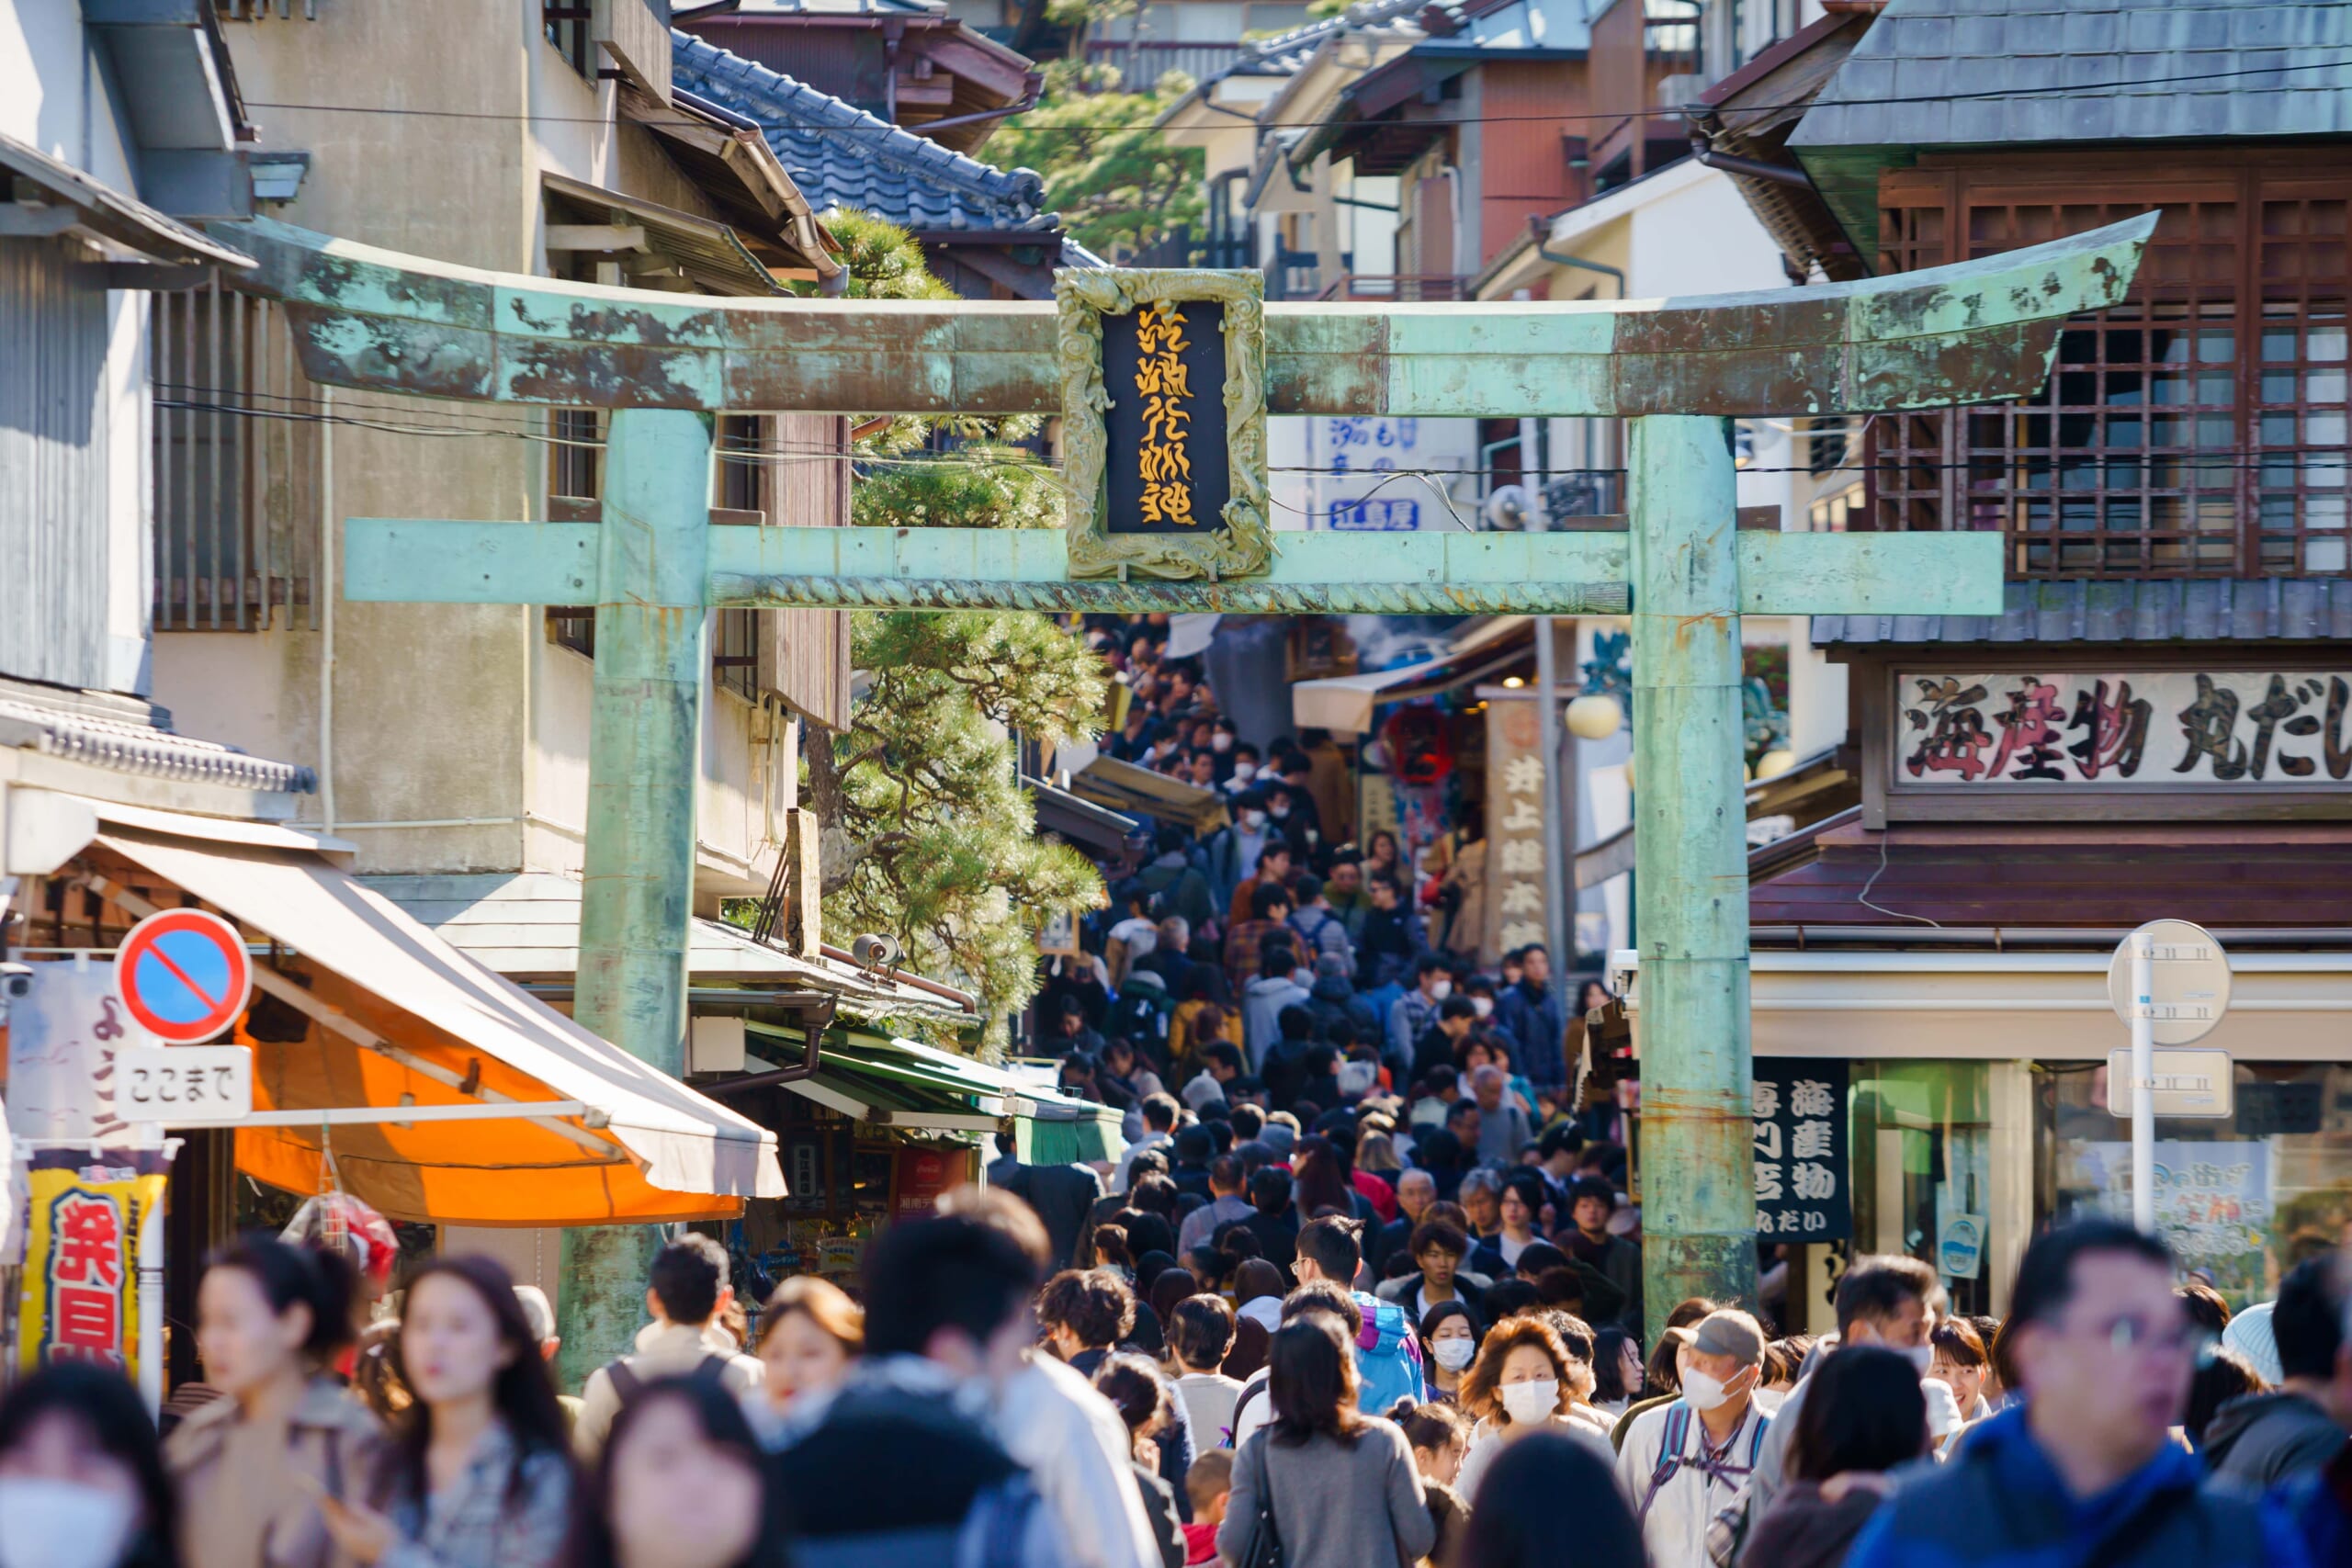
[1343,704]
[676,1141]
[1972,1003]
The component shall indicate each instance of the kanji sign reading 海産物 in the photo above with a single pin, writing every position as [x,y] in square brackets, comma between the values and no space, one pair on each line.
[1165,422]
[2106,730]
[1801,1189]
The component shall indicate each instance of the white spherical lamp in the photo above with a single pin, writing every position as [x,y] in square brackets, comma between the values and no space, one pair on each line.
[1775,762]
[1629,773]
[1595,718]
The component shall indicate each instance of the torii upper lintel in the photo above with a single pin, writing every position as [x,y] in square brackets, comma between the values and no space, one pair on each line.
[1974,332]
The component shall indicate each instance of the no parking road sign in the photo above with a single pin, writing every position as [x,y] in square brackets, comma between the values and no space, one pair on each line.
[184,975]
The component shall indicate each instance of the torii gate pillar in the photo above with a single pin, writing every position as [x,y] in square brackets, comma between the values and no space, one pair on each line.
[1691,900]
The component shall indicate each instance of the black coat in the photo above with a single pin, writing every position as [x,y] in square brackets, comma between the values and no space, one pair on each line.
[1063,1196]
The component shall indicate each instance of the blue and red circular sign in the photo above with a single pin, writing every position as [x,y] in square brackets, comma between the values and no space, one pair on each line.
[184,975]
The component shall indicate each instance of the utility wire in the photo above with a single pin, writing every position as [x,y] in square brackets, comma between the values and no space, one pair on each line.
[2104,90]
[2208,459]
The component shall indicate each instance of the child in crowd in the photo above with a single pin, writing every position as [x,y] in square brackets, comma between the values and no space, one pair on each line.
[1208,1483]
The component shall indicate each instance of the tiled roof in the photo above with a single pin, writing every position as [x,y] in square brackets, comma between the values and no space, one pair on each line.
[128,747]
[842,156]
[1287,53]
[1960,72]
[2270,609]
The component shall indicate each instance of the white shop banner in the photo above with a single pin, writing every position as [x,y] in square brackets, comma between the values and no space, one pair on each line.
[2093,729]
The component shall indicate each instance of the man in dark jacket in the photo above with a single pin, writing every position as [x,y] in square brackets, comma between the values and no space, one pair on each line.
[1333,997]
[1177,884]
[2085,1472]
[1531,1013]
[1062,1194]
[2261,1439]
[943,1318]
[1591,1203]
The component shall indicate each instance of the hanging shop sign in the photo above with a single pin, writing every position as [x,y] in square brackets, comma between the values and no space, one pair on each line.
[62,1039]
[1164,422]
[1803,1189]
[2112,731]
[2213,1200]
[80,1298]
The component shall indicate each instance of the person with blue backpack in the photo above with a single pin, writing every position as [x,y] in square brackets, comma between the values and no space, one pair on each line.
[1684,1462]
[1388,1353]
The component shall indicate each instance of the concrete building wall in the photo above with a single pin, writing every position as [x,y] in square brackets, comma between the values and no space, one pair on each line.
[448,738]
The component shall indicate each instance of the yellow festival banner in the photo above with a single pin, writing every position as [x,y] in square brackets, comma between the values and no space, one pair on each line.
[79,1298]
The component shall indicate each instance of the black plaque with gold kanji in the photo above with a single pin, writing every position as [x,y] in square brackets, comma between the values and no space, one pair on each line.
[1163,365]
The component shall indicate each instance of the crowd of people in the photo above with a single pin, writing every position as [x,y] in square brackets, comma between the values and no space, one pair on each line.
[1363,1288]
[975,1402]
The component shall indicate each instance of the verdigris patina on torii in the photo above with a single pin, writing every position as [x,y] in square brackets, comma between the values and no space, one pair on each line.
[1675,368]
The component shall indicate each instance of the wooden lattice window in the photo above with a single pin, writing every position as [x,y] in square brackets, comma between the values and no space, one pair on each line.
[2197,430]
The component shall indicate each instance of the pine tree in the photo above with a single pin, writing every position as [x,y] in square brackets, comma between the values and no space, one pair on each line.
[927,834]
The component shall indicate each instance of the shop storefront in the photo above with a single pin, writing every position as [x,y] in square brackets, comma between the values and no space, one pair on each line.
[1949,938]
[384,1063]
[877,1130]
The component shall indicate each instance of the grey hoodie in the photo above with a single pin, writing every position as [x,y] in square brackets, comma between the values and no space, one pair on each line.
[2260,1440]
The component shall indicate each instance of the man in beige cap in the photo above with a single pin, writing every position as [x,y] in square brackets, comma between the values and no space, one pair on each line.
[1686,1461]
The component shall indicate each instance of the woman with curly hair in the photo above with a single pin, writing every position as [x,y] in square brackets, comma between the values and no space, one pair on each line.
[1525,1379]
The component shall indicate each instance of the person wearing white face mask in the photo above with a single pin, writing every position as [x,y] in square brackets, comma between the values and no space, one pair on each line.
[1886,1300]
[1524,1381]
[1686,1461]
[82,1482]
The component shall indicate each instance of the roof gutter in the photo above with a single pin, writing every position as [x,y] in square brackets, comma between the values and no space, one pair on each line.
[1023,107]
[1753,168]
[1561,258]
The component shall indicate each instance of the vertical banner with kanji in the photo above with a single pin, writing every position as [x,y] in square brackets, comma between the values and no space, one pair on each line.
[1804,1186]
[80,1298]
[1515,907]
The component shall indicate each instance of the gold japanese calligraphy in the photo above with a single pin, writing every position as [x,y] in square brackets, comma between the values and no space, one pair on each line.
[1165,386]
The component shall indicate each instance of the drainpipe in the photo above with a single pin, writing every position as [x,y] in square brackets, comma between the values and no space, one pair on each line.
[328,592]
[1023,107]
[1561,258]
[1753,168]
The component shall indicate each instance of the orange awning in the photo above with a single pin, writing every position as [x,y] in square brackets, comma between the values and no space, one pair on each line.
[389,1015]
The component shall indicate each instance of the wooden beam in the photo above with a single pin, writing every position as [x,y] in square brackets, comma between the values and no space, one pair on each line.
[1978,332]
[598,238]
[555,563]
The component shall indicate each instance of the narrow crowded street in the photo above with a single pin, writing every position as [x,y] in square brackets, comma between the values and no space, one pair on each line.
[1274,783]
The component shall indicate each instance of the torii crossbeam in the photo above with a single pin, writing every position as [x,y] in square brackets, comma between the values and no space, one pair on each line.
[1677,369]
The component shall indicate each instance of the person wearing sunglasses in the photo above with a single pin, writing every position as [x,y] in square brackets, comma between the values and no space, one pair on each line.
[2086,1470]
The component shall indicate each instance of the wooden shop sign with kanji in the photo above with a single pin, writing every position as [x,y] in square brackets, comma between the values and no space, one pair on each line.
[2030,738]
[1164,412]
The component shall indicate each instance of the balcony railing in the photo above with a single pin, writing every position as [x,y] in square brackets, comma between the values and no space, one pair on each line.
[1401,287]
[1143,61]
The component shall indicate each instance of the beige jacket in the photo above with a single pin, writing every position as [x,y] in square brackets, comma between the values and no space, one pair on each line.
[240,1503]
[663,1351]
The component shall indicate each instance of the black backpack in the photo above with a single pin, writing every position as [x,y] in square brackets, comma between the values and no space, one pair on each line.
[627,1385]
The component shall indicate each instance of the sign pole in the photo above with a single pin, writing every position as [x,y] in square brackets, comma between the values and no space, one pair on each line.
[2169,981]
[2143,1081]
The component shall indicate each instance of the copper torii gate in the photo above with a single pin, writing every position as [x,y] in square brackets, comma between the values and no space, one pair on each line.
[1677,369]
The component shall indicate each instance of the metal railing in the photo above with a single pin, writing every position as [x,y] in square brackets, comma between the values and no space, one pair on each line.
[1143,61]
[1403,287]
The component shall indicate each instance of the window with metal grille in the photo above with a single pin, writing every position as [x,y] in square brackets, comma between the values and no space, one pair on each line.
[237,436]
[742,487]
[575,489]
[2198,429]
[565,23]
